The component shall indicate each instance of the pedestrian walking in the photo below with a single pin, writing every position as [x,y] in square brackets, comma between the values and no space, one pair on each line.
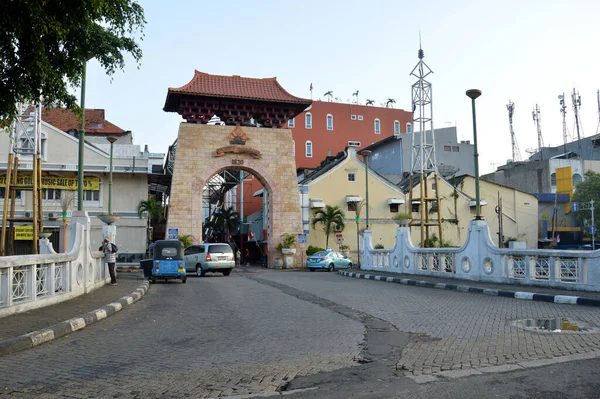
[110,257]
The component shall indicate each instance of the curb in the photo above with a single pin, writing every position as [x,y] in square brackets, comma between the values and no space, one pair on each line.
[39,337]
[532,296]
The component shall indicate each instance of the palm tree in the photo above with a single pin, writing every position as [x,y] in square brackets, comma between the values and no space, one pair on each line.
[228,219]
[329,94]
[370,102]
[390,101]
[153,208]
[330,218]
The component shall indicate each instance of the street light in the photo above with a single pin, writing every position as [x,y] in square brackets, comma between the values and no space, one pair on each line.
[473,94]
[111,140]
[81,140]
[365,155]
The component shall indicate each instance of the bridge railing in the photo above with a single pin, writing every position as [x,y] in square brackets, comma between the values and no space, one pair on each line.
[32,281]
[479,259]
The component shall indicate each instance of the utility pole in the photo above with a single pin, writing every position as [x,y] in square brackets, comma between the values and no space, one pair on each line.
[555,216]
[563,111]
[500,227]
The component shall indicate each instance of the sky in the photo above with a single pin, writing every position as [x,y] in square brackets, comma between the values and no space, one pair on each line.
[525,51]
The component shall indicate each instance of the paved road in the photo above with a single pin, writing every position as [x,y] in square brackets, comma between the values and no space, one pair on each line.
[336,336]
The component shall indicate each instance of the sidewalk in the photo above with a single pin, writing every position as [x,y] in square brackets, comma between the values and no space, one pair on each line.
[517,291]
[43,318]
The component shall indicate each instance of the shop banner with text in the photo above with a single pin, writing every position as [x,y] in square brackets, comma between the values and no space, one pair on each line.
[58,182]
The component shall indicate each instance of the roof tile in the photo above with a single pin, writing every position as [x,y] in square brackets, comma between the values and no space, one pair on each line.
[65,120]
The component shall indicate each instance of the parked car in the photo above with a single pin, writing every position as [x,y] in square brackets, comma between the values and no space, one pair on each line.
[329,260]
[210,257]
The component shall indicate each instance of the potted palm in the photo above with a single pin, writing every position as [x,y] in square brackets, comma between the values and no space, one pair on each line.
[287,248]
[45,234]
[403,219]
[345,250]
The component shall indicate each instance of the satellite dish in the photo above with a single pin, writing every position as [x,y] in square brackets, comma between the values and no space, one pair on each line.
[447,170]
[531,151]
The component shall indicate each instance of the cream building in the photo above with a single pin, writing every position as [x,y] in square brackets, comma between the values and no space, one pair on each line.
[341,182]
[519,211]
[131,167]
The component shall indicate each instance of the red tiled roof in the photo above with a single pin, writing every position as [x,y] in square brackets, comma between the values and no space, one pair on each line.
[66,120]
[266,89]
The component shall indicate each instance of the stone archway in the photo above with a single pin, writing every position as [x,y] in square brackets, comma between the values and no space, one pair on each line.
[204,150]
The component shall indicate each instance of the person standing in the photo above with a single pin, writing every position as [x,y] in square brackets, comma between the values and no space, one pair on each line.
[110,256]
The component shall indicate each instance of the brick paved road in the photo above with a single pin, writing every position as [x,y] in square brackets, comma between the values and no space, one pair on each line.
[458,330]
[213,336]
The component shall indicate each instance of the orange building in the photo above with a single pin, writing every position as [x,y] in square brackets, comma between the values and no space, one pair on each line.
[326,128]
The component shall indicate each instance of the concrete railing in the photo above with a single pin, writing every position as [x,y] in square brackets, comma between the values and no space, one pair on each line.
[480,260]
[33,281]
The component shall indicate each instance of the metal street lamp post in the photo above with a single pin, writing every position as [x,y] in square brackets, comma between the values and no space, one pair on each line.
[473,94]
[111,141]
[365,155]
[81,143]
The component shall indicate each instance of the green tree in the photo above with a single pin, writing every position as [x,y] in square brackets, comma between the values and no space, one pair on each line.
[330,218]
[586,191]
[44,45]
[227,219]
[153,208]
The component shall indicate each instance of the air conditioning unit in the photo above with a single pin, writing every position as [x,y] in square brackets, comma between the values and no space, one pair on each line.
[27,214]
[52,216]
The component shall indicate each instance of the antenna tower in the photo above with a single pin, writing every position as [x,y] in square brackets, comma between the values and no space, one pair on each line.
[423,161]
[576,98]
[516,153]
[537,119]
[25,141]
[563,111]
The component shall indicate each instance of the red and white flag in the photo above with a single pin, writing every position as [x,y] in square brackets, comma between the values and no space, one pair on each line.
[558,238]
[250,236]
[311,86]
[229,237]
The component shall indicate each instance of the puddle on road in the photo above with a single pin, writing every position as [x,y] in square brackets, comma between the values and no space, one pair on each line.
[554,324]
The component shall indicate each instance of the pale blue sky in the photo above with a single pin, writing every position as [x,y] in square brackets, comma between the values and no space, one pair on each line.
[527,51]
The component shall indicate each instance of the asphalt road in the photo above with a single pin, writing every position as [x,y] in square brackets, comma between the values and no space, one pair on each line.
[312,335]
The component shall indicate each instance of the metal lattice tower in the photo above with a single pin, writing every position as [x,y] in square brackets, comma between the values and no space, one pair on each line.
[576,98]
[537,119]
[25,140]
[563,111]
[423,160]
[516,153]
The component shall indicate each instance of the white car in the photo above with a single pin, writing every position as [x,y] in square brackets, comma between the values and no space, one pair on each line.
[210,257]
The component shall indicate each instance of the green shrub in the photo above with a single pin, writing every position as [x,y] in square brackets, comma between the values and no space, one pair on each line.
[379,246]
[312,249]
[344,247]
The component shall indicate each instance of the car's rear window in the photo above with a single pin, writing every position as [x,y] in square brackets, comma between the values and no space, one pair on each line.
[320,253]
[168,252]
[219,248]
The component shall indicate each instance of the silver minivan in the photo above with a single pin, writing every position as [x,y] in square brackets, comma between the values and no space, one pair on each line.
[210,257]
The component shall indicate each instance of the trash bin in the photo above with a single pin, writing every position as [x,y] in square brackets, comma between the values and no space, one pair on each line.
[146,266]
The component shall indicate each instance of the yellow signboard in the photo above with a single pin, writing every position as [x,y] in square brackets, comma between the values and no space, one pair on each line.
[564,184]
[24,233]
[58,182]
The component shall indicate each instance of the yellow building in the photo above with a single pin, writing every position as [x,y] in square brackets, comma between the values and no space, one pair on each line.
[341,181]
[519,211]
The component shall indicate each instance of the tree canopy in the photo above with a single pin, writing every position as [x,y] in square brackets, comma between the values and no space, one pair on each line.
[587,190]
[45,43]
[330,218]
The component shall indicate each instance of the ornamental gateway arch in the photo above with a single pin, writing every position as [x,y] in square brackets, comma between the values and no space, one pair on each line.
[252,140]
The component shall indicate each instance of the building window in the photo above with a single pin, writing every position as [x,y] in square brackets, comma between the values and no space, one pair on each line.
[91,195]
[447,148]
[360,117]
[352,206]
[3,193]
[576,179]
[416,206]
[309,149]
[394,208]
[329,122]
[396,127]
[50,194]
[455,148]
[553,179]
[351,177]
[354,144]
[353,117]
[308,120]
[291,123]
[377,126]
[408,128]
